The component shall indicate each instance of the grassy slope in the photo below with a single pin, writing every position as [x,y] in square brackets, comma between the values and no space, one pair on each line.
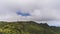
[29,27]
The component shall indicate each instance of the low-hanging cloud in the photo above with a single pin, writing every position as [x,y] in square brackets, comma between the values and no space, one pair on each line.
[39,10]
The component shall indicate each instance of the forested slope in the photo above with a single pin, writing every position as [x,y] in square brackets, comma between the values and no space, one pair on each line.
[27,27]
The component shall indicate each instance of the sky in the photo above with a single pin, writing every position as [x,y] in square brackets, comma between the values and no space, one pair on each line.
[31,10]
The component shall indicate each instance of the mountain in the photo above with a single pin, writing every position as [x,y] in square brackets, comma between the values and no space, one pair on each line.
[27,27]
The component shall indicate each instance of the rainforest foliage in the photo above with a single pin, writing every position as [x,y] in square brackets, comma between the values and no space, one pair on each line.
[27,27]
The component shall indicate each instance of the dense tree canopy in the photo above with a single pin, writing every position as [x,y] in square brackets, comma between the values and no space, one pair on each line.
[28,27]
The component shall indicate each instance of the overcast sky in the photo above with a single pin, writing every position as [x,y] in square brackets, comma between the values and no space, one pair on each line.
[31,10]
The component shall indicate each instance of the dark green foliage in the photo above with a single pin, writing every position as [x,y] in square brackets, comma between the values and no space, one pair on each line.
[27,27]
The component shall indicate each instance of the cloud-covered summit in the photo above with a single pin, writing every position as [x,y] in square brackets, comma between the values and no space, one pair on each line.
[39,10]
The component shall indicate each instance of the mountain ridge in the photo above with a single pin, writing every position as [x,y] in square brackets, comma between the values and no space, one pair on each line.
[27,27]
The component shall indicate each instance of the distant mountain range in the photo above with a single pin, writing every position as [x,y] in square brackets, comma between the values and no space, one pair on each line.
[27,27]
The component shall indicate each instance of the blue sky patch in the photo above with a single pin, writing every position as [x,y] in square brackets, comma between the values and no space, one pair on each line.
[23,14]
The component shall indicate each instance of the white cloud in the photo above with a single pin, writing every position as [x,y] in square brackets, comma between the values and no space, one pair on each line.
[40,10]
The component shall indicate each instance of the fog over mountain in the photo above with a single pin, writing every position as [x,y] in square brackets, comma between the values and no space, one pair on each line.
[31,10]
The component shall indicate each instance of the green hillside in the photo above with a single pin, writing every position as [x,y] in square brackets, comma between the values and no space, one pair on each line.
[27,27]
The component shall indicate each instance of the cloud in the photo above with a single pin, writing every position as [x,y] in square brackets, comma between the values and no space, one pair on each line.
[39,10]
